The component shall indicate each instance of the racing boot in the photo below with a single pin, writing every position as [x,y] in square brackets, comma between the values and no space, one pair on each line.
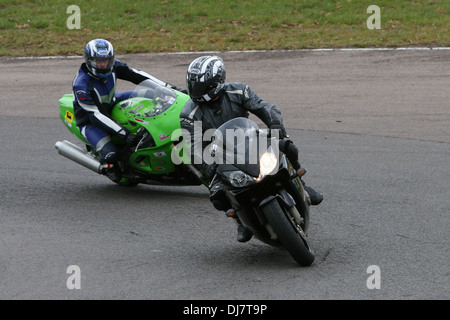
[109,154]
[218,198]
[114,173]
[220,201]
[314,196]
[244,234]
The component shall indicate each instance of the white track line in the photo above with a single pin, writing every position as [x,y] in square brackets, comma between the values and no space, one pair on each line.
[245,51]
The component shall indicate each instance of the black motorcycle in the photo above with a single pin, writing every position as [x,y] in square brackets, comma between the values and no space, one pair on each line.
[265,191]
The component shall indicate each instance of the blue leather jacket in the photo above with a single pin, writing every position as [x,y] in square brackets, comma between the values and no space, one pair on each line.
[94,98]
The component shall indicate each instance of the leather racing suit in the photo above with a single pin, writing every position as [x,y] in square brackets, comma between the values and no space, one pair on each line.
[94,99]
[236,100]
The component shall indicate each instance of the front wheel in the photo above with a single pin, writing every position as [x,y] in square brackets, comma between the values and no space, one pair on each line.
[290,234]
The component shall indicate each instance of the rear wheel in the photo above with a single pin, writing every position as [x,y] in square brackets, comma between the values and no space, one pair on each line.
[289,232]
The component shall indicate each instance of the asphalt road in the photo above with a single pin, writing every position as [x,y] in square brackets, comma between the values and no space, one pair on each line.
[374,133]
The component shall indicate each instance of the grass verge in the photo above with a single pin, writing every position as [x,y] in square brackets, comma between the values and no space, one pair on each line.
[31,27]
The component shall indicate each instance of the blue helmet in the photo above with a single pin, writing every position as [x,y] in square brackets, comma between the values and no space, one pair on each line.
[99,49]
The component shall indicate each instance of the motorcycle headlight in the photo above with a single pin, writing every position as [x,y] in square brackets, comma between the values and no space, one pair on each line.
[239,179]
[267,164]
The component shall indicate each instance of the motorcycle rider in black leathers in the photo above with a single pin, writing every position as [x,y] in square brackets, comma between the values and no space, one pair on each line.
[214,102]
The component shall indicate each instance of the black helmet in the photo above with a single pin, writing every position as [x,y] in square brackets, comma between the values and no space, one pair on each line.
[99,49]
[205,78]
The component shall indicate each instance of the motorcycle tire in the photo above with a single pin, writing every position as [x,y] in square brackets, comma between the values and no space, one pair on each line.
[126,183]
[289,233]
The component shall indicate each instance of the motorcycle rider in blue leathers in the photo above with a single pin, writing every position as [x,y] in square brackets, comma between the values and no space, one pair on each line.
[94,89]
[214,102]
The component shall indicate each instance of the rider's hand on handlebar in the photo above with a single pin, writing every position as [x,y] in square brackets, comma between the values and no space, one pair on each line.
[176,88]
[132,140]
[281,130]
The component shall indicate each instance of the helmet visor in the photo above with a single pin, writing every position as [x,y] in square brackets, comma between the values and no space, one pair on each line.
[199,89]
[102,65]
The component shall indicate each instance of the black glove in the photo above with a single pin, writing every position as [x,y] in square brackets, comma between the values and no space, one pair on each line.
[281,130]
[129,138]
[123,133]
[178,89]
[132,140]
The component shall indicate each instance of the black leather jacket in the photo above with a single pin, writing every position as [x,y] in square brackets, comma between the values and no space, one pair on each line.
[235,100]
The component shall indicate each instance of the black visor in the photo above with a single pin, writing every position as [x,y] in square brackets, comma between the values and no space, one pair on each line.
[199,89]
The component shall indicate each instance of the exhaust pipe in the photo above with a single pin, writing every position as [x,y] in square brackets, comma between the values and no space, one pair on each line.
[79,155]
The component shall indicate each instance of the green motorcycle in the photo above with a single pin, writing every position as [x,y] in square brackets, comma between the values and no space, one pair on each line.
[153,114]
